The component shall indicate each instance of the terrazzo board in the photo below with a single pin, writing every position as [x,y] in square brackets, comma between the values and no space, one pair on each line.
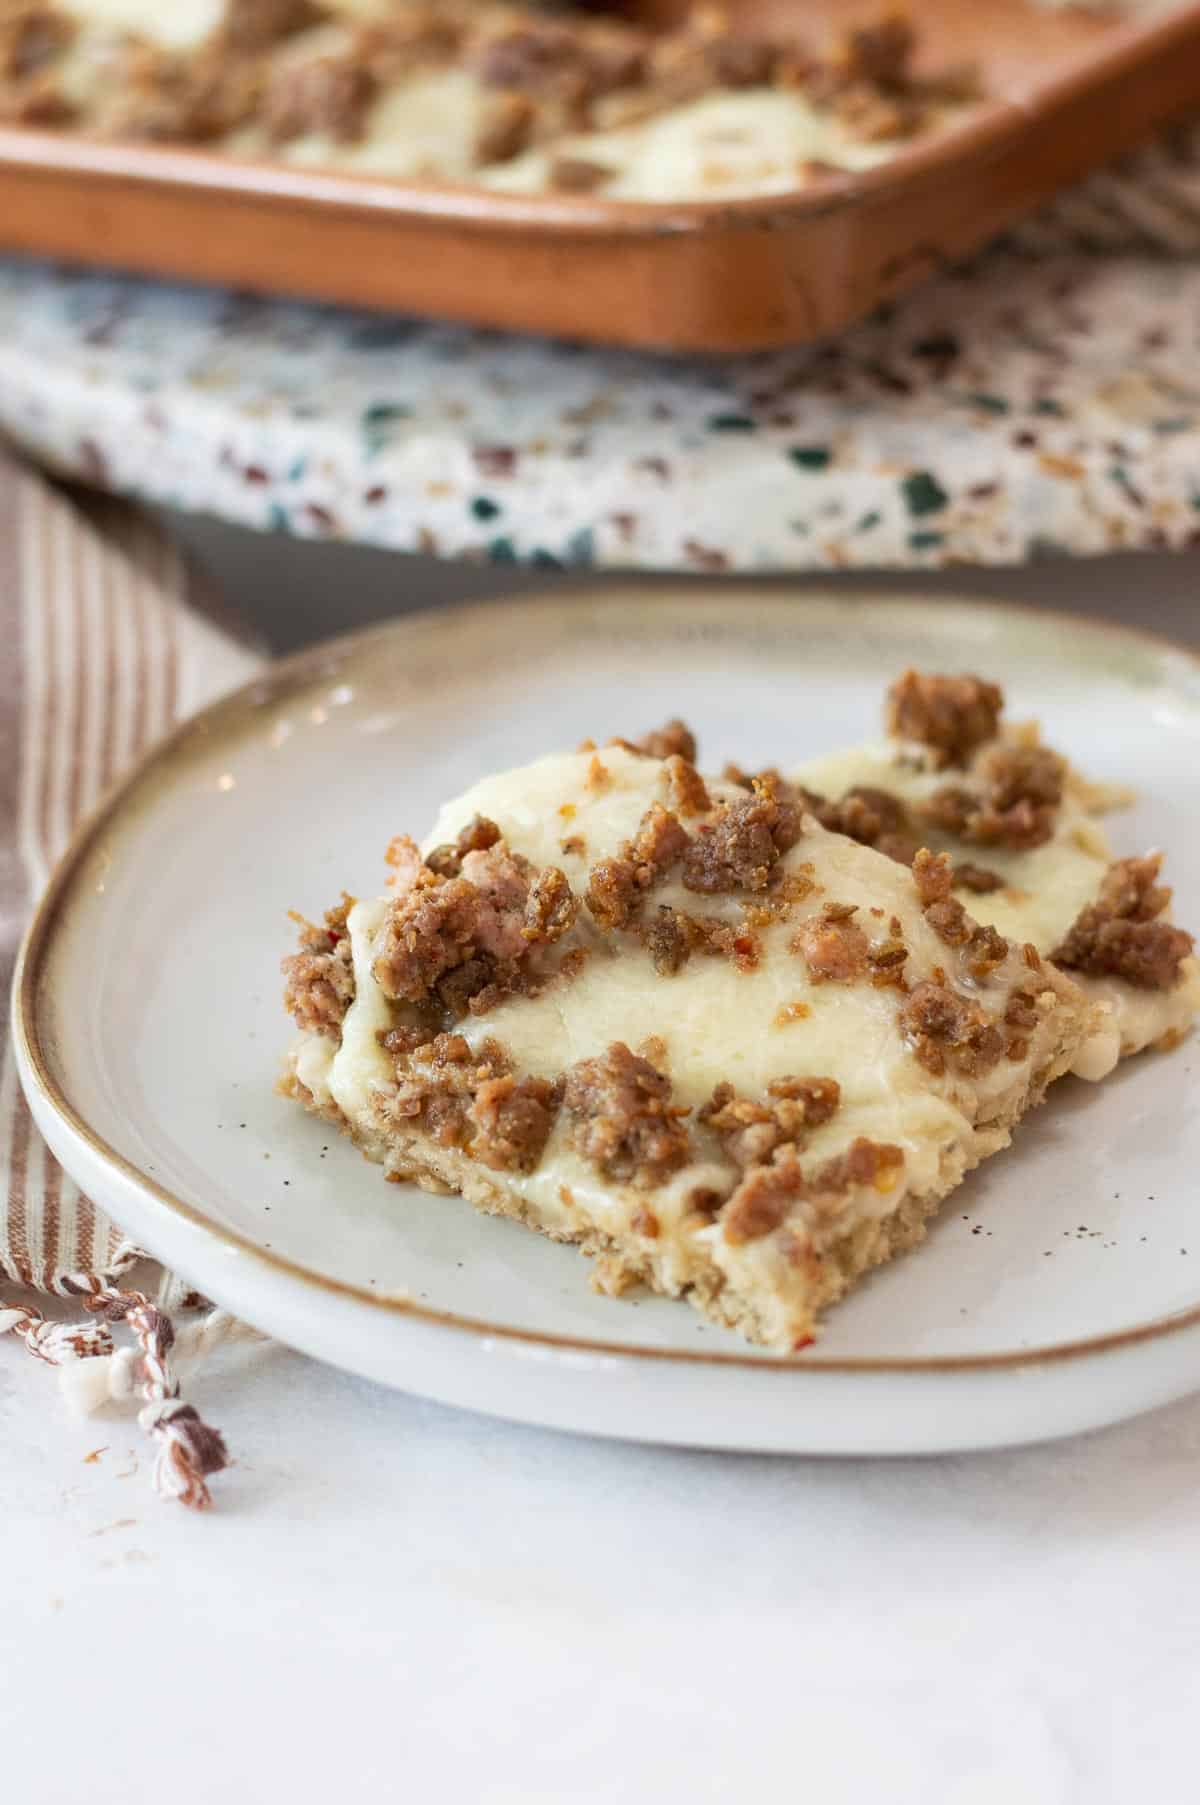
[1041,399]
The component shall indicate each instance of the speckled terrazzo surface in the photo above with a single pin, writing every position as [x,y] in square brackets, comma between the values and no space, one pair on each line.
[1043,399]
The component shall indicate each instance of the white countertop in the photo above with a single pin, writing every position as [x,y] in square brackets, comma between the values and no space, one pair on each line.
[396,1600]
[430,1605]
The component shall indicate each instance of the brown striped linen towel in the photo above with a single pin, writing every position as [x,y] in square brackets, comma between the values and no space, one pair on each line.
[108,639]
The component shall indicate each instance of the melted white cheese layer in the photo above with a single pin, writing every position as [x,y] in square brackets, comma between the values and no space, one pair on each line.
[177,25]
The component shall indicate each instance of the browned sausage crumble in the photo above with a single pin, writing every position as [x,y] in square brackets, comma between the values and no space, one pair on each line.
[31,36]
[550,908]
[469,1099]
[750,1131]
[740,847]
[870,816]
[512,1119]
[326,94]
[671,936]
[746,780]
[506,126]
[1016,807]
[686,788]
[320,977]
[476,836]
[623,1119]
[976,878]
[983,948]
[832,945]
[427,933]
[1020,1017]
[1122,934]
[257,24]
[467,928]
[944,1028]
[767,1192]
[950,715]
[617,887]
[674,740]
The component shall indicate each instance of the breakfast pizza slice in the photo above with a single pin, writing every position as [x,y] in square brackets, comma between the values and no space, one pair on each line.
[1019,825]
[736,1055]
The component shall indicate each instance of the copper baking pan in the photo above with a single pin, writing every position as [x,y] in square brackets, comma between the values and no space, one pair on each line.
[1066,91]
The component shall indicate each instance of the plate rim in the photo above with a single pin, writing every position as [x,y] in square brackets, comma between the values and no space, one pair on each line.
[286,675]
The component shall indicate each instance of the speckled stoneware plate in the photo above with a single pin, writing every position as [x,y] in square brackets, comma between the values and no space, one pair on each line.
[1059,1290]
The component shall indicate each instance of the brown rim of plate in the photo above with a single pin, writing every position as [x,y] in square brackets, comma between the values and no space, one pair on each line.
[317,663]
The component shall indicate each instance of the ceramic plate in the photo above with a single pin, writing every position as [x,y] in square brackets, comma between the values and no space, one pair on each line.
[1060,1288]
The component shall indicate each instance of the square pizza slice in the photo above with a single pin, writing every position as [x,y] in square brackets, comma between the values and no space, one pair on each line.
[735,1054]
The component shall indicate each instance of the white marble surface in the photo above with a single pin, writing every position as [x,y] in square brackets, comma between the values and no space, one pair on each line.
[397,1601]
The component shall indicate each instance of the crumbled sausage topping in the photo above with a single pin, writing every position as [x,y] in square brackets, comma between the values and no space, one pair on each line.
[156,95]
[250,25]
[750,1131]
[1021,1015]
[746,780]
[38,101]
[623,1119]
[320,977]
[612,894]
[740,847]
[880,52]
[1122,933]
[466,931]
[31,37]
[762,1199]
[833,946]
[870,816]
[578,175]
[673,740]
[426,934]
[323,94]
[668,938]
[406,38]
[976,878]
[686,788]
[512,1118]
[950,715]
[886,959]
[506,127]
[943,1029]
[477,836]
[1017,805]
[671,936]
[468,1098]
[552,59]
[617,887]
[983,948]
[551,907]
[767,1192]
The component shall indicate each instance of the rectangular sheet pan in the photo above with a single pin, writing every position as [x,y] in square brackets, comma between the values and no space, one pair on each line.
[1066,92]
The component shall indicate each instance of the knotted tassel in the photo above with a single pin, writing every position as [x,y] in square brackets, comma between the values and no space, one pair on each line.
[189,1451]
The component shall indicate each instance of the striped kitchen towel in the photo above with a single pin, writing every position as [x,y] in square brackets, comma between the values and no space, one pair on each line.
[109,638]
